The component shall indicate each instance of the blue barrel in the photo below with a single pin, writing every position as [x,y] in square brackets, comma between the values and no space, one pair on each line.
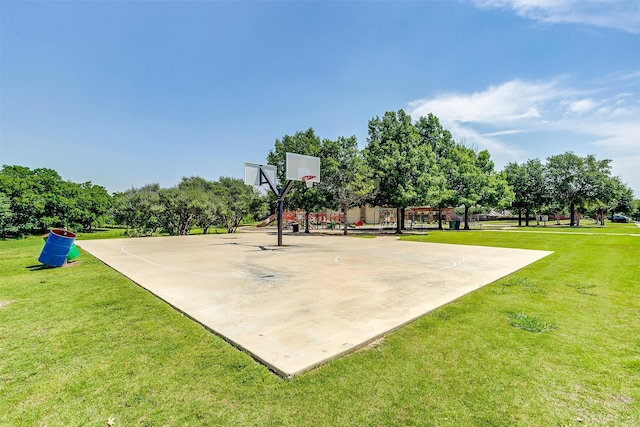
[73,252]
[57,247]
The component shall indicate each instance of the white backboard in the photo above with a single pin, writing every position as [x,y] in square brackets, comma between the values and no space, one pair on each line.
[252,174]
[303,168]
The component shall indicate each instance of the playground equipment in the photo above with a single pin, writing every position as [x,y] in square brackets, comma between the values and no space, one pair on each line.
[267,221]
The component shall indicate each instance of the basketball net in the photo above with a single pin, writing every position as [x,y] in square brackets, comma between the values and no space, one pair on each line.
[308,180]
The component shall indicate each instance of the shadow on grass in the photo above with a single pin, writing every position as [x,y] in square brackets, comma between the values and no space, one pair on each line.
[38,267]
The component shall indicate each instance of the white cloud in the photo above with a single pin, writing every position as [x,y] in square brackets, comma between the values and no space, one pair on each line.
[518,120]
[582,106]
[508,102]
[621,136]
[506,132]
[620,14]
[501,152]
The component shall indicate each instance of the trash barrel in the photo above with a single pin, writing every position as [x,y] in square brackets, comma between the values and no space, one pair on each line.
[57,248]
[452,224]
[458,225]
[295,227]
[73,252]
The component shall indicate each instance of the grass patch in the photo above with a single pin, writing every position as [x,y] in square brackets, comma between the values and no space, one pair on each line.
[609,228]
[524,283]
[103,233]
[528,323]
[583,288]
[80,345]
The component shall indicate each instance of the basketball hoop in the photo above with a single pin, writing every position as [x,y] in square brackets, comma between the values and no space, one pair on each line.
[308,180]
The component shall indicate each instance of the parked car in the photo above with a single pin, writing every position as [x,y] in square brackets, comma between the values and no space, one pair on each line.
[620,218]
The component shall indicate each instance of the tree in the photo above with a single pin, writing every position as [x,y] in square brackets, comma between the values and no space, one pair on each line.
[623,201]
[6,216]
[186,204]
[400,163]
[344,175]
[37,198]
[237,200]
[440,193]
[207,216]
[179,210]
[476,183]
[139,209]
[635,209]
[530,191]
[41,199]
[499,194]
[563,175]
[19,184]
[575,181]
[613,196]
[539,196]
[517,178]
[86,205]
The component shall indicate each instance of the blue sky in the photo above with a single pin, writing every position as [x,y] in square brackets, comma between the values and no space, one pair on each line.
[127,93]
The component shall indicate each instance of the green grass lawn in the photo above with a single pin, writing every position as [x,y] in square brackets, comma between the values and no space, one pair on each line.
[555,344]
[586,226]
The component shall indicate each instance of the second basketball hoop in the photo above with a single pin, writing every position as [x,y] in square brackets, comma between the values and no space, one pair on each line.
[303,168]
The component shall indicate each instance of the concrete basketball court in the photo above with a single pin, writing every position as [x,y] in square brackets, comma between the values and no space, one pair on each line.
[316,298]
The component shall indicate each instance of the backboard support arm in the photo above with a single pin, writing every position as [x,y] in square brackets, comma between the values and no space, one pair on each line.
[264,179]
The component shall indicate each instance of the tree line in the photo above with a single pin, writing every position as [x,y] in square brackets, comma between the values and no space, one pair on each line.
[194,202]
[403,164]
[567,182]
[407,163]
[33,201]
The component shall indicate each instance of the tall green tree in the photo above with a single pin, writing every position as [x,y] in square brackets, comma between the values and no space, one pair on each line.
[6,216]
[187,204]
[635,209]
[345,176]
[475,181]
[28,204]
[623,200]
[517,177]
[564,176]
[207,215]
[612,196]
[139,209]
[237,201]
[39,198]
[180,210]
[441,193]
[86,205]
[399,161]
[575,181]
[529,186]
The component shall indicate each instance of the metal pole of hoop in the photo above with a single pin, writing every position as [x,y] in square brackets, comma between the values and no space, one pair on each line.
[280,196]
[280,209]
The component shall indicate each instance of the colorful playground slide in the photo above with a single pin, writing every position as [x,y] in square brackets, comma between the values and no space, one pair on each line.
[267,221]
